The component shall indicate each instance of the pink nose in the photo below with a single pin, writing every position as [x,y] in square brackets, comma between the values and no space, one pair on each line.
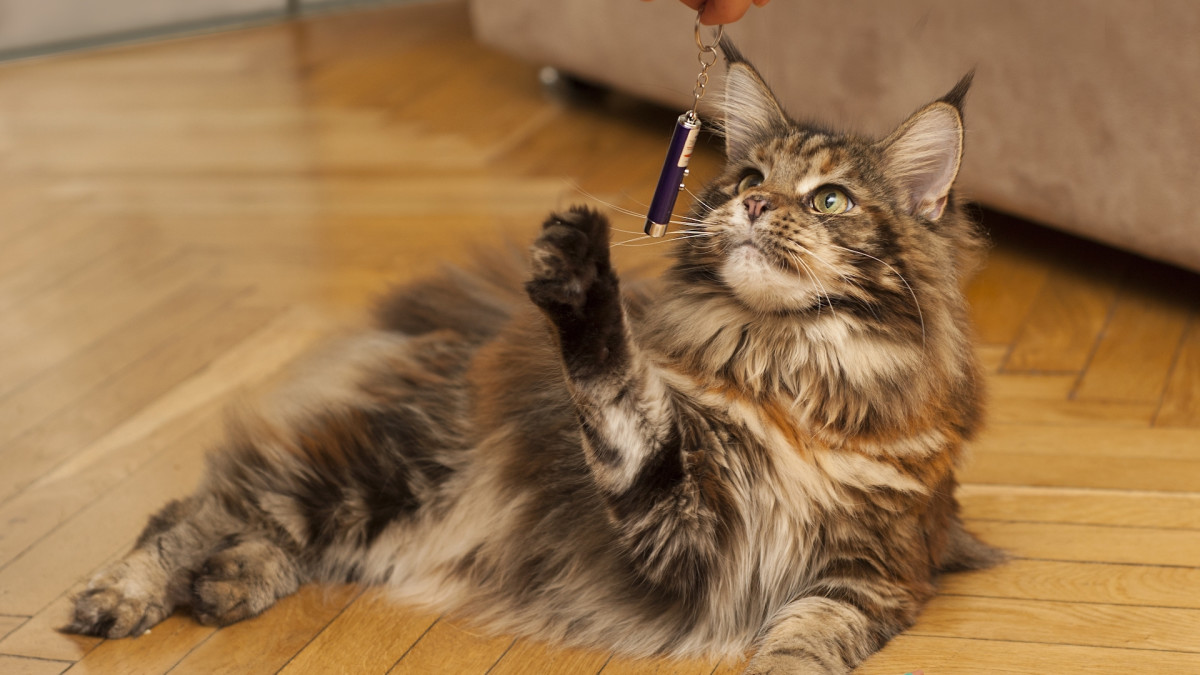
[756,206]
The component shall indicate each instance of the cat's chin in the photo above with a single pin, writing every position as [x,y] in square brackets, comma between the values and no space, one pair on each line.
[762,286]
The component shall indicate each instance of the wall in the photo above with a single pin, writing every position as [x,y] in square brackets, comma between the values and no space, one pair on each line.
[31,26]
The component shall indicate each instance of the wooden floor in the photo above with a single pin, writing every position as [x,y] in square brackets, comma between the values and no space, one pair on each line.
[179,221]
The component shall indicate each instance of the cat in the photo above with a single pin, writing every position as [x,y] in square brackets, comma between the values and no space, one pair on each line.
[755,452]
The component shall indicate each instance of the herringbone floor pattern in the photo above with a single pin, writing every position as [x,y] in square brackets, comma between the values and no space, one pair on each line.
[181,220]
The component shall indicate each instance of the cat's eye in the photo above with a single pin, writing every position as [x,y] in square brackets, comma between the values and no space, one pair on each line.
[831,200]
[752,179]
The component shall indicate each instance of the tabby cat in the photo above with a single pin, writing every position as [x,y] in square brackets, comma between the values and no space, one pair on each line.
[756,451]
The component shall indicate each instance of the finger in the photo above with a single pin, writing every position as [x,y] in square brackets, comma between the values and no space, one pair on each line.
[722,12]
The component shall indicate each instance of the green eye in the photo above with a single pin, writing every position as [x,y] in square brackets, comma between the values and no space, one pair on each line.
[752,179]
[831,200]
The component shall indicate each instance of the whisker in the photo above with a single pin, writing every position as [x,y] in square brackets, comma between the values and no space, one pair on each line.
[823,289]
[629,242]
[617,229]
[916,303]
[846,279]
[680,220]
[653,240]
[813,278]
[699,201]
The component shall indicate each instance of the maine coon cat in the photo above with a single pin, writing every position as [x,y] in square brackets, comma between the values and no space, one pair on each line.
[756,451]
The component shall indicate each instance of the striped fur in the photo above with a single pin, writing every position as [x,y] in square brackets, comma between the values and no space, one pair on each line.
[757,451]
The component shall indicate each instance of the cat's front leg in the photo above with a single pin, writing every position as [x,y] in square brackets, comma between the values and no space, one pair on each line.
[623,407]
[820,635]
[643,446]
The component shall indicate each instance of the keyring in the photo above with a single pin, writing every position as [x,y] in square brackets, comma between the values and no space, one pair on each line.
[700,41]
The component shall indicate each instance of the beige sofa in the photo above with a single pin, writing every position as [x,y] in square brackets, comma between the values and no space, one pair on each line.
[1085,114]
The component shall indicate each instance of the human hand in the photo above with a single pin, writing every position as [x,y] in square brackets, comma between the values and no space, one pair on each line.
[713,12]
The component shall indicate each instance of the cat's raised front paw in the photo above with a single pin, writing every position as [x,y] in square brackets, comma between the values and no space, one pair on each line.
[568,258]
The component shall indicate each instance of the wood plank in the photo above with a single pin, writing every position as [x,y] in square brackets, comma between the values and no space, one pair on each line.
[1077,470]
[1065,412]
[1092,543]
[1062,623]
[46,394]
[35,513]
[20,665]
[1135,354]
[68,318]
[731,666]
[1181,400]
[57,229]
[530,656]
[41,572]
[1045,399]
[1041,388]
[185,201]
[621,665]
[155,651]
[1091,440]
[10,623]
[1065,322]
[1114,457]
[1114,584]
[40,638]
[370,636]
[556,149]
[1022,398]
[190,408]
[1005,289]
[991,356]
[50,443]
[29,211]
[1085,507]
[25,273]
[973,656]
[453,648]
[266,642]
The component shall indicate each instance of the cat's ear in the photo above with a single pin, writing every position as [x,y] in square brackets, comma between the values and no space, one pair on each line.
[750,109]
[924,154]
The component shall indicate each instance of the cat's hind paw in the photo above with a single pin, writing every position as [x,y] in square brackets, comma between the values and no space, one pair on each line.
[240,580]
[117,603]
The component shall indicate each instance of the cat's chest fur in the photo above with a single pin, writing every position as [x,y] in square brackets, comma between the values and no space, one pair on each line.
[801,463]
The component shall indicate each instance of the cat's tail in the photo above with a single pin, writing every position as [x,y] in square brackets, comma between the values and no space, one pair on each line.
[964,551]
[475,301]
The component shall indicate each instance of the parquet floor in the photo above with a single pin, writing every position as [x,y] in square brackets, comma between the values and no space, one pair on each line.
[181,220]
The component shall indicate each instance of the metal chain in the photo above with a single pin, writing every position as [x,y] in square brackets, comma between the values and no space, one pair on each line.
[707,57]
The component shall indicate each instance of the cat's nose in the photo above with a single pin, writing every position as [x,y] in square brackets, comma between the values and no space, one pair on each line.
[756,205]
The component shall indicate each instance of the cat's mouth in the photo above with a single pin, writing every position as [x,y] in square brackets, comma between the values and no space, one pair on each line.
[763,280]
[764,253]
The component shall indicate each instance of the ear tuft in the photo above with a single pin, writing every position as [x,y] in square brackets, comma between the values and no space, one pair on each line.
[958,95]
[750,109]
[730,51]
[923,155]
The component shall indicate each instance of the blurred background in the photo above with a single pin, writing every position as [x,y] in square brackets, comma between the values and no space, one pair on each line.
[194,195]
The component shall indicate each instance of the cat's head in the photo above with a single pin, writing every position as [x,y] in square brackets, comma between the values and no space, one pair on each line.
[803,220]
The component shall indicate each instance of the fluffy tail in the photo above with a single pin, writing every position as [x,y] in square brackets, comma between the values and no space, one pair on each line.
[964,551]
[475,301]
